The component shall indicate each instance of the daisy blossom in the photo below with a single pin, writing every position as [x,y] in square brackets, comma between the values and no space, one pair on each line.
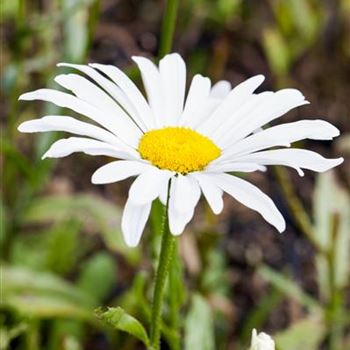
[261,341]
[195,141]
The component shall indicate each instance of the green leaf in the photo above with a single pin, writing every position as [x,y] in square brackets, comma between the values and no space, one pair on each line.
[119,319]
[305,334]
[19,163]
[289,288]
[199,325]
[62,329]
[306,19]
[331,202]
[258,315]
[3,223]
[277,51]
[7,335]
[57,208]
[70,343]
[29,250]
[62,246]
[10,8]
[298,22]
[214,279]
[283,16]
[40,23]
[93,212]
[98,276]
[45,306]
[76,31]
[43,294]
[226,9]
[23,279]
[343,143]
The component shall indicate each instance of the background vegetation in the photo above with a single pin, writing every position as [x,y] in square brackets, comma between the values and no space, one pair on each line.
[62,251]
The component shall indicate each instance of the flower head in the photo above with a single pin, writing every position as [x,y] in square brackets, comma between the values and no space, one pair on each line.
[193,141]
[261,341]
[178,149]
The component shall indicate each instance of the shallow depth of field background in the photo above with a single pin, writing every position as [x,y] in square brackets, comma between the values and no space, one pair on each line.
[62,250]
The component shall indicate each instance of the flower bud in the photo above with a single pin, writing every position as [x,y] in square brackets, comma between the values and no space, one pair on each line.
[261,341]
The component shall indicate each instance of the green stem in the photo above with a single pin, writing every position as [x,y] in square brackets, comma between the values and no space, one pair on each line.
[168,240]
[335,299]
[297,209]
[33,337]
[168,27]
[174,304]
[166,253]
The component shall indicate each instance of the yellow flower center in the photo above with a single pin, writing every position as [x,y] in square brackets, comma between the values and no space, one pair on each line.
[178,149]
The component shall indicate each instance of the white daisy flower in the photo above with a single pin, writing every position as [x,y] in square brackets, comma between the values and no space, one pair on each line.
[195,141]
[261,341]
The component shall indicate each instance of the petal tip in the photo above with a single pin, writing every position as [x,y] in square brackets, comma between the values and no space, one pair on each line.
[281,227]
[96,65]
[60,79]
[339,160]
[218,211]
[137,58]
[140,59]
[23,97]
[336,132]
[21,127]
[95,178]
[260,78]
[332,164]
[131,244]
[176,231]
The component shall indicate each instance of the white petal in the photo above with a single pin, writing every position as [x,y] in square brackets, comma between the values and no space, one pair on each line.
[261,341]
[226,167]
[275,105]
[211,192]
[283,135]
[177,220]
[186,193]
[204,111]
[221,89]
[133,222]
[149,185]
[92,94]
[223,133]
[69,101]
[163,195]
[130,90]
[196,97]
[72,125]
[252,197]
[153,86]
[115,91]
[295,158]
[172,70]
[119,170]
[65,147]
[234,99]
[179,217]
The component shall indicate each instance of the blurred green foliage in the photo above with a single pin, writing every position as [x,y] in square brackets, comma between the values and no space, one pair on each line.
[63,255]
